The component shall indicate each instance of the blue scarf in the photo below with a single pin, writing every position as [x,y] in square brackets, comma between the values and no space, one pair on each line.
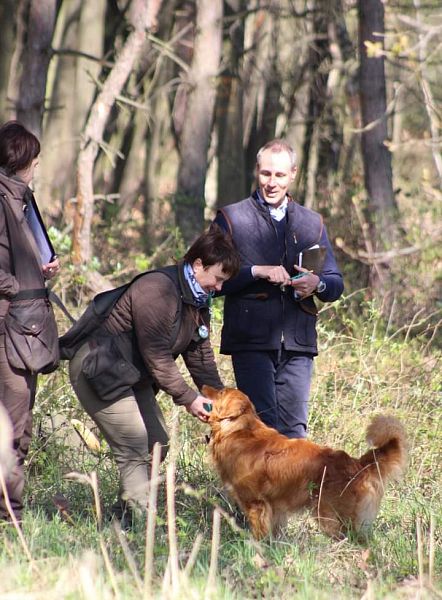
[201,297]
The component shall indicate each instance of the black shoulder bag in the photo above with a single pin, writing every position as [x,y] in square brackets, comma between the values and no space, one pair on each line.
[31,336]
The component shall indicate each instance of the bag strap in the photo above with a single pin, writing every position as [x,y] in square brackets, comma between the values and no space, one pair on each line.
[34,294]
[20,246]
[177,322]
[31,294]
[53,297]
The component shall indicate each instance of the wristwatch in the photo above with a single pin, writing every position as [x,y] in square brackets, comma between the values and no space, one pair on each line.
[320,287]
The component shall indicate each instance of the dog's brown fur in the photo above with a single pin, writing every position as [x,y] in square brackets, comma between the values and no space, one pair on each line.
[271,476]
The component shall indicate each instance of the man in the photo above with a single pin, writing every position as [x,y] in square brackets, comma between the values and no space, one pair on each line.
[270,319]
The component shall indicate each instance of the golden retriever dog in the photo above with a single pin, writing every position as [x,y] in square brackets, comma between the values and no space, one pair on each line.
[271,476]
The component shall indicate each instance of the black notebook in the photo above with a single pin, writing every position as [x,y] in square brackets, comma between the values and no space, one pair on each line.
[313,258]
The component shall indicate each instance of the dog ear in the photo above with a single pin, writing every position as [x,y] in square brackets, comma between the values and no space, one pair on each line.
[235,404]
[210,392]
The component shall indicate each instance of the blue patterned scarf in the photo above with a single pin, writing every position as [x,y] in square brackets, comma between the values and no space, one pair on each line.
[201,297]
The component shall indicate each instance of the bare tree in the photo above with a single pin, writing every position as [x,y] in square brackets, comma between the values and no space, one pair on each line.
[430,102]
[8,10]
[195,137]
[157,210]
[376,157]
[142,18]
[229,112]
[323,134]
[79,30]
[319,64]
[35,62]
[185,29]
[148,130]
[263,83]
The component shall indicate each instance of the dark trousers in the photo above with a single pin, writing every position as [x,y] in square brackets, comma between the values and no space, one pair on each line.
[278,384]
[17,394]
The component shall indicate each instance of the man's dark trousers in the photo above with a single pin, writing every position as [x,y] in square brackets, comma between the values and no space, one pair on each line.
[278,384]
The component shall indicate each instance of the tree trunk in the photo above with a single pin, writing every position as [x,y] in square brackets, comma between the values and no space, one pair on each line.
[36,57]
[8,9]
[375,155]
[141,19]
[262,102]
[195,137]
[319,57]
[323,135]
[58,138]
[229,113]
[185,26]
[17,57]
[430,101]
[158,212]
[76,100]
[159,144]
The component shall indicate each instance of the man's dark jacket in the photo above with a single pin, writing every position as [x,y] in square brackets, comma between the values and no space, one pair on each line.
[257,314]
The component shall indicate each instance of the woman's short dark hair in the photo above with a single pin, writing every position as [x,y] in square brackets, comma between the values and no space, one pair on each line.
[212,247]
[18,147]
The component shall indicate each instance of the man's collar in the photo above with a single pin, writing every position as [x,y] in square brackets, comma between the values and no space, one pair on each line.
[276,212]
[261,200]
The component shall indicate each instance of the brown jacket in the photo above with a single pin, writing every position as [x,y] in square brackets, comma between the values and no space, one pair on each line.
[149,307]
[13,191]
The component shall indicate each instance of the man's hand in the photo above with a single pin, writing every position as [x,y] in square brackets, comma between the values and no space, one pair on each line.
[51,269]
[305,285]
[197,409]
[274,274]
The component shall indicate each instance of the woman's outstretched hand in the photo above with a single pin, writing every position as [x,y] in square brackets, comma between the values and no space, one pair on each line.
[197,409]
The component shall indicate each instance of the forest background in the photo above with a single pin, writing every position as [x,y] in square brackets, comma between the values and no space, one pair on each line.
[150,114]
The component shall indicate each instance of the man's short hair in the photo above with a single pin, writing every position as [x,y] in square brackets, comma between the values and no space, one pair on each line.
[215,246]
[278,145]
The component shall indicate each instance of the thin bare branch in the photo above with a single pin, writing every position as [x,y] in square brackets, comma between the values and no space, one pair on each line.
[70,52]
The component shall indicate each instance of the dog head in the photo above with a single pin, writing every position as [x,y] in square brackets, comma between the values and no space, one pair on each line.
[228,403]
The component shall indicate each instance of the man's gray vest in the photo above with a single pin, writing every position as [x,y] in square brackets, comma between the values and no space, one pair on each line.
[256,317]
[254,232]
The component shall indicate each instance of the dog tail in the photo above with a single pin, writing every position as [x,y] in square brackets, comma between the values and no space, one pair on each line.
[388,456]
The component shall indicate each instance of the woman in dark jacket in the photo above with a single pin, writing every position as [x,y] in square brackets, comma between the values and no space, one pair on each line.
[162,314]
[23,241]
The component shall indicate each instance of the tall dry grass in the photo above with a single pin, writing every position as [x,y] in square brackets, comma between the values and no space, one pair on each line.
[193,542]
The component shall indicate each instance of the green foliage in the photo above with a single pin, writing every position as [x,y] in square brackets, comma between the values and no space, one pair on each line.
[142,263]
[60,240]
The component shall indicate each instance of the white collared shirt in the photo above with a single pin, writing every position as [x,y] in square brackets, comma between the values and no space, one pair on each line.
[276,212]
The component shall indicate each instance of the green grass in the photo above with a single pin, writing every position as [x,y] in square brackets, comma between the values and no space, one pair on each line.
[359,372]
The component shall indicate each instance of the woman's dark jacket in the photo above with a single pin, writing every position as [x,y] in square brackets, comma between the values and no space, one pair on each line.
[23,246]
[149,308]
[257,314]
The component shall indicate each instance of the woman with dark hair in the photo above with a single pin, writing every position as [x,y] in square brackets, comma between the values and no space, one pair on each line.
[26,260]
[160,315]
